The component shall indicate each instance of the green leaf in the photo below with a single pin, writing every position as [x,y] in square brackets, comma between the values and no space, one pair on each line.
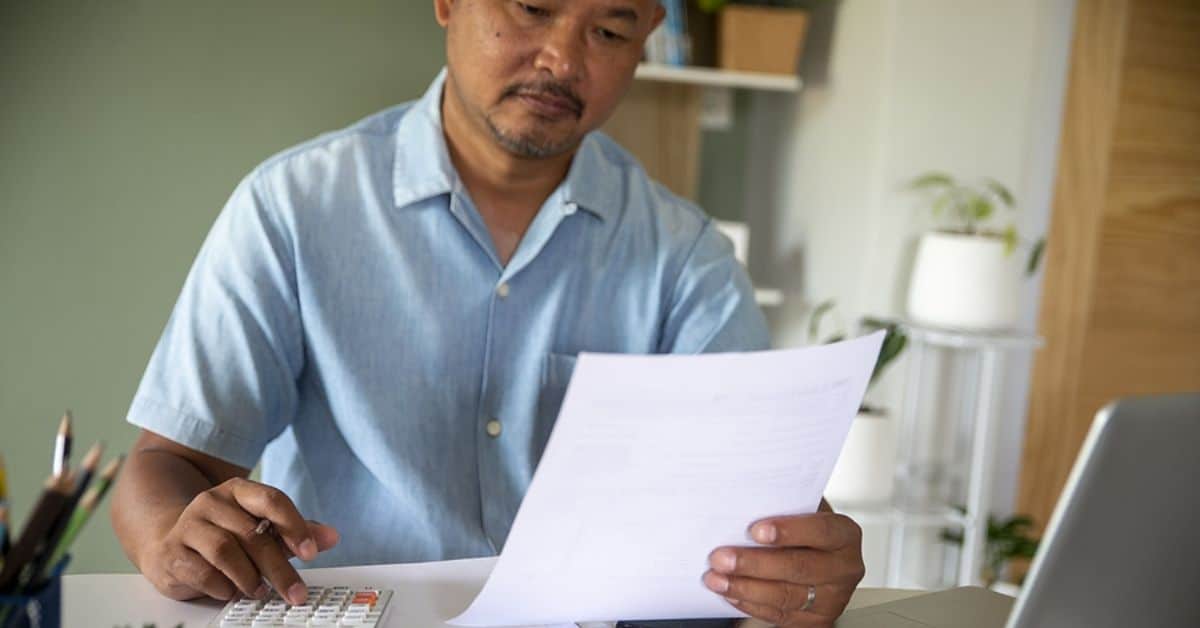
[941,202]
[893,345]
[1010,240]
[1035,256]
[932,180]
[818,315]
[1021,521]
[980,208]
[874,324]
[1001,192]
[953,538]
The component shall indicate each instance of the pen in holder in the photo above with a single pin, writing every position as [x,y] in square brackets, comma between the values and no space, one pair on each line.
[40,607]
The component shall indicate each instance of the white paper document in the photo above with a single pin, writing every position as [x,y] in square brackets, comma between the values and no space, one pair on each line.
[654,462]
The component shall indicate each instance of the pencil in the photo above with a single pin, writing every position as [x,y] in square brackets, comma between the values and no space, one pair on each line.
[44,556]
[3,483]
[32,537]
[90,462]
[4,543]
[62,445]
[87,505]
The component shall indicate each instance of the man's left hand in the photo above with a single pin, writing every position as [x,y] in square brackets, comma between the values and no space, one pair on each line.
[772,583]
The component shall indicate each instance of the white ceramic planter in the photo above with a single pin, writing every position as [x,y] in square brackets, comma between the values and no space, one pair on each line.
[965,282]
[863,473]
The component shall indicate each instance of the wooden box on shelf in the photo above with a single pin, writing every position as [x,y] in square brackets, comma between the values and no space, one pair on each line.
[761,39]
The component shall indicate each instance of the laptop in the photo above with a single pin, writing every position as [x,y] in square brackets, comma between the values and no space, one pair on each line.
[1122,547]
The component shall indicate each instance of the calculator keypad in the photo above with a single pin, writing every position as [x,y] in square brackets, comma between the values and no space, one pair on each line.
[334,606]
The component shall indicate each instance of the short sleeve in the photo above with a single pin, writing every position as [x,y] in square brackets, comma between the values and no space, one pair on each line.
[222,378]
[712,307]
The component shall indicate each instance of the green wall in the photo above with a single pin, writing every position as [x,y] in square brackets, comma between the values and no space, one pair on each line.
[123,128]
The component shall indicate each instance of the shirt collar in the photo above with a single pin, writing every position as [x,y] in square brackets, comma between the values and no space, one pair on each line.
[422,167]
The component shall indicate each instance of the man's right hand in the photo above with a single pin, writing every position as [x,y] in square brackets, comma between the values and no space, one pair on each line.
[214,550]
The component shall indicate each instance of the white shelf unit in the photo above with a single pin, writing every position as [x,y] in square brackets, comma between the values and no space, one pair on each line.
[714,77]
[990,349]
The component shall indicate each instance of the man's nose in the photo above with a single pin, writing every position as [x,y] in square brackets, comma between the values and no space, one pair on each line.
[562,52]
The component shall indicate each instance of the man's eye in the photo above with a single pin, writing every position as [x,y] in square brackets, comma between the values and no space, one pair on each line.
[608,35]
[533,10]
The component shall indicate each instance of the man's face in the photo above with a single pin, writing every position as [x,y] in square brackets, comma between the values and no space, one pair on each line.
[539,75]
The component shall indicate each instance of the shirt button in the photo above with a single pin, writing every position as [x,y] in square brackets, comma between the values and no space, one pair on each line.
[493,428]
[570,208]
[502,290]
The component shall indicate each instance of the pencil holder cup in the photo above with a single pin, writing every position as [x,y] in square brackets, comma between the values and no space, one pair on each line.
[41,607]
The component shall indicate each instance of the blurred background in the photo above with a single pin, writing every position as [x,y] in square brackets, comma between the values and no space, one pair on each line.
[846,145]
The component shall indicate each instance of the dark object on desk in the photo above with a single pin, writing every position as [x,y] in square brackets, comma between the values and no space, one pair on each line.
[681,623]
[39,608]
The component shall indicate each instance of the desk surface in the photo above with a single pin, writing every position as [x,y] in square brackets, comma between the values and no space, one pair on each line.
[426,594]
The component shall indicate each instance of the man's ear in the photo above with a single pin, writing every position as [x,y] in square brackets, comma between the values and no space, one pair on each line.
[441,11]
[659,14]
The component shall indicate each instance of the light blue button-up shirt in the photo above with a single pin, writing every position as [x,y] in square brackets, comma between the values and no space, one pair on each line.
[347,322]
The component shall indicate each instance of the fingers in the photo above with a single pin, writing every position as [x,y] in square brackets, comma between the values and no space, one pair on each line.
[823,530]
[772,583]
[326,536]
[801,566]
[268,555]
[271,503]
[188,568]
[224,551]
[777,617]
[781,603]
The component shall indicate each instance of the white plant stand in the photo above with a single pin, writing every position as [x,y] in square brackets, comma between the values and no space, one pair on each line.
[902,516]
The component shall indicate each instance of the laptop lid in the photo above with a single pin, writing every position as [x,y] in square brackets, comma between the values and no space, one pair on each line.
[1123,545]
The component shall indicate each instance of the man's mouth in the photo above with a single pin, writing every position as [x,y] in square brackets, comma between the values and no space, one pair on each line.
[553,102]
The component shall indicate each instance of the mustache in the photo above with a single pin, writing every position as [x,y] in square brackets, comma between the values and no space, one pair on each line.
[545,88]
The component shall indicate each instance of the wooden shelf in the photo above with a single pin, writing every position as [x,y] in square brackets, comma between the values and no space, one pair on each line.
[712,77]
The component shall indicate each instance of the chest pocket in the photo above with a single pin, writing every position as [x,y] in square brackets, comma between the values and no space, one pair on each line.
[556,374]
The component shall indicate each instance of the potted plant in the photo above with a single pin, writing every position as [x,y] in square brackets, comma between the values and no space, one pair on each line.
[765,36]
[864,470]
[1006,540]
[967,273]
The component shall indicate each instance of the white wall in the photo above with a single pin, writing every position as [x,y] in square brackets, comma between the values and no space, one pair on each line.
[904,86]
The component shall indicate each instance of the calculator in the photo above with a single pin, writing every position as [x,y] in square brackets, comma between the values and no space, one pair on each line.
[332,606]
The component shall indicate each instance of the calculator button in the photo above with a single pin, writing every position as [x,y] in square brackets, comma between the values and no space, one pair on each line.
[324,606]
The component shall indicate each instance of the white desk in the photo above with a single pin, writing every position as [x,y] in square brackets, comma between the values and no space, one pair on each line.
[426,594]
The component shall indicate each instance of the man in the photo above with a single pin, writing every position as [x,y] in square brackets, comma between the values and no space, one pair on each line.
[387,315]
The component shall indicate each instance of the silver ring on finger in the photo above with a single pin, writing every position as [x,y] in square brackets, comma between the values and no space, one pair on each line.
[812,598]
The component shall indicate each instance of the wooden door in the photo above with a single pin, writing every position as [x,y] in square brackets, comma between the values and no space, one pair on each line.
[1121,304]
